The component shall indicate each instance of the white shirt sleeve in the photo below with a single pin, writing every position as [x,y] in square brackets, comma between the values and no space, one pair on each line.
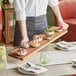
[52,2]
[19,6]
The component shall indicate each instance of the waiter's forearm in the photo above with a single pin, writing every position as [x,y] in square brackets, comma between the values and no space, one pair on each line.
[22,25]
[57,13]
[59,18]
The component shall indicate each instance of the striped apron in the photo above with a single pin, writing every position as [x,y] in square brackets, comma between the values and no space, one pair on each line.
[35,25]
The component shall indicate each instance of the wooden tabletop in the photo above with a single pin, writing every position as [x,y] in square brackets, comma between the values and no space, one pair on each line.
[53,70]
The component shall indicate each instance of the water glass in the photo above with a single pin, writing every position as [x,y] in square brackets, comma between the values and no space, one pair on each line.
[3,58]
[44,57]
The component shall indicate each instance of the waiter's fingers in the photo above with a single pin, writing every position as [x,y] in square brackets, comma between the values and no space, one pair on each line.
[64,25]
[24,42]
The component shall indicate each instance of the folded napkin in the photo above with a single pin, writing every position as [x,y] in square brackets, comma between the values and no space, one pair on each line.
[66,45]
[30,67]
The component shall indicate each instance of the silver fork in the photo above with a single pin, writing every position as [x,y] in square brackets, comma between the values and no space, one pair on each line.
[29,66]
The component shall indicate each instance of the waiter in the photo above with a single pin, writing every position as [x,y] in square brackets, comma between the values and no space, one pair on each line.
[31,18]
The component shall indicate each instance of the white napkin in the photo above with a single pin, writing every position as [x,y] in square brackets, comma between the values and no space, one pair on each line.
[66,45]
[30,67]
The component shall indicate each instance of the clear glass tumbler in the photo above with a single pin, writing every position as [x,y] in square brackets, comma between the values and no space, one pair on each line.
[3,58]
[44,58]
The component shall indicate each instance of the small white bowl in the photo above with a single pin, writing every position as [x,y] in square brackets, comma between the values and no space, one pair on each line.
[40,39]
[35,37]
[47,38]
[19,52]
[49,33]
[58,28]
[36,45]
[27,46]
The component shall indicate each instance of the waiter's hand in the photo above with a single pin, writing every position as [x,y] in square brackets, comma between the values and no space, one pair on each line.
[63,25]
[25,40]
[23,29]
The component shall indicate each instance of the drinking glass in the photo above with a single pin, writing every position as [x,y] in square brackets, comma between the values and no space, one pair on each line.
[3,58]
[44,57]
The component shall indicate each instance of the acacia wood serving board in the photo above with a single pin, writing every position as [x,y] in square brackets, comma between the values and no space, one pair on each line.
[32,50]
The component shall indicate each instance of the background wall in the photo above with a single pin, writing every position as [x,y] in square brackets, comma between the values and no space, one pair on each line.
[0,2]
[50,17]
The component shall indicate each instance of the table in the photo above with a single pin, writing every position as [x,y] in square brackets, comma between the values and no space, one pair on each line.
[53,70]
[7,9]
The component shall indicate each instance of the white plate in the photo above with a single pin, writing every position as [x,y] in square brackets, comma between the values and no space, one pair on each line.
[25,72]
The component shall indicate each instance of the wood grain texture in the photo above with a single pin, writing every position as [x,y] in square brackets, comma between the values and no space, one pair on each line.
[43,43]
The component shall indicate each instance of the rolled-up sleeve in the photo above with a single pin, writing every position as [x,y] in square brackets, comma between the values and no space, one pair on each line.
[19,6]
[53,2]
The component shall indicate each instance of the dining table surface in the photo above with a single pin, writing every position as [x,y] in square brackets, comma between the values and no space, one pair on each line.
[53,70]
